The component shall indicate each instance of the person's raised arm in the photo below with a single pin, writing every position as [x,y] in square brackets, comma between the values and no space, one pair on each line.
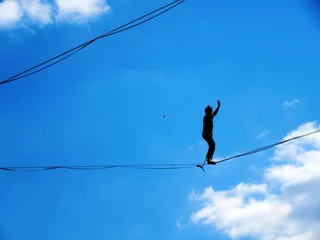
[217,109]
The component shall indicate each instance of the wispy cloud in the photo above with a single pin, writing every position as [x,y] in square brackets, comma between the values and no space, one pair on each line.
[285,206]
[20,13]
[263,134]
[81,10]
[179,225]
[37,11]
[288,104]
[10,13]
[190,147]
[193,145]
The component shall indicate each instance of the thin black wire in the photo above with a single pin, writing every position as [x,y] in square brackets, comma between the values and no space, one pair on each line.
[101,167]
[148,166]
[82,46]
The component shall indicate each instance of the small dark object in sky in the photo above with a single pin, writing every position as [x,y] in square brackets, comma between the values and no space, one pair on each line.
[164,116]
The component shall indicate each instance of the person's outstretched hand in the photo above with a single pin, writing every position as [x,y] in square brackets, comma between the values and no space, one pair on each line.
[219,103]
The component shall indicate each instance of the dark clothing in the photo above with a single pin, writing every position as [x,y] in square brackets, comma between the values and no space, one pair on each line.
[211,143]
[208,123]
[207,134]
[208,129]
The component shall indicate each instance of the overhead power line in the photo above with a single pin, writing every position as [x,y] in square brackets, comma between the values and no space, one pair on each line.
[53,61]
[150,166]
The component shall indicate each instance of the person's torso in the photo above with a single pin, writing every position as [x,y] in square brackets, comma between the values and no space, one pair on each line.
[207,123]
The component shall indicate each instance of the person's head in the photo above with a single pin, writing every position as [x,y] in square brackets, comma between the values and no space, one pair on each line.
[208,110]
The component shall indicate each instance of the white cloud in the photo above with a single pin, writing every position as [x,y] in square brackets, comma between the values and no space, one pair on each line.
[81,10]
[10,13]
[285,207]
[37,11]
[22,13]
[293,103]
[263,134]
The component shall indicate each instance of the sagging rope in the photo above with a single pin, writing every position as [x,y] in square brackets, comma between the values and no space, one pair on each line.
[149,166]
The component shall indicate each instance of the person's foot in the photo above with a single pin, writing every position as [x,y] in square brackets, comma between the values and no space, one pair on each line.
[210,161]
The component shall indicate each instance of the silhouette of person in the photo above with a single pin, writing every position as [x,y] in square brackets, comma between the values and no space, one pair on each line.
[207,131]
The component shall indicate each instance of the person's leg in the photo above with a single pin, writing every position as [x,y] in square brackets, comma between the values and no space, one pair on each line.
[207,139]
[211,149]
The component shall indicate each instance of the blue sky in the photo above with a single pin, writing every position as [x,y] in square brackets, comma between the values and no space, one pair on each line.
[105,105]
